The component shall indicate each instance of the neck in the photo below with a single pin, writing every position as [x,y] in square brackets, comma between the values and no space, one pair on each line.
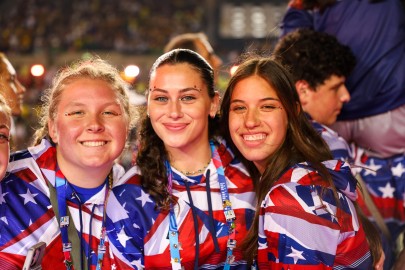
[194,160]
[83,176]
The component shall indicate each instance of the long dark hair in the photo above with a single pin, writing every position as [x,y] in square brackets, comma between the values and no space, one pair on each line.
[152,153]
[302,142]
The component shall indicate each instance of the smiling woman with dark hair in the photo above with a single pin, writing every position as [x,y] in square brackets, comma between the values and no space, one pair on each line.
[189,200]
[305,216]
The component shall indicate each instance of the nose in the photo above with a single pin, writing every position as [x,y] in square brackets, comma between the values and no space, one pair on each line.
[95,123]
[344,94]
[252,119]
[175,109]
[19,87]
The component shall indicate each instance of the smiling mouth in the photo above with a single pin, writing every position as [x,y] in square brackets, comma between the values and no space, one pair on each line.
[254,137]
[175,126]
[94,144]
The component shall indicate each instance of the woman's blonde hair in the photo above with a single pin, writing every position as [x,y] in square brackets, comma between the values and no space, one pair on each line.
[93,68]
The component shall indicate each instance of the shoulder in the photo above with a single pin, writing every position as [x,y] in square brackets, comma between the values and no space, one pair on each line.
[41,156]
[226,153]
[31,168]
[131,177]
[128,187]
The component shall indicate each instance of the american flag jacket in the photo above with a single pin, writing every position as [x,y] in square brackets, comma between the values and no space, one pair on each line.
[27,216]
[142,230]
[384,177]
[302,227]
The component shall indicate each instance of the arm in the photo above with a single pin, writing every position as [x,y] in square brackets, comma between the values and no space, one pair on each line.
[298,230]
[296,18]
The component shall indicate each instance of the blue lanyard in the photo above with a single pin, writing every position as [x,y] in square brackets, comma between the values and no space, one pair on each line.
[228,212]
[61,187]
[227,205]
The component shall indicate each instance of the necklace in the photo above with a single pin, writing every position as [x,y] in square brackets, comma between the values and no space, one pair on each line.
[227,208]
[196,172]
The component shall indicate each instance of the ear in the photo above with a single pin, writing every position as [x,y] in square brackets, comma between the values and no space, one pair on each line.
[214,105]
[303,91]
[53,133]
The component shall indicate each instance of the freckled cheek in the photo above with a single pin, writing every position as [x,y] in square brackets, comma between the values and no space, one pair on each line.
[233,123]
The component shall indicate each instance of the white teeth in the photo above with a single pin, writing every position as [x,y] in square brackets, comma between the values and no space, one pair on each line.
[254,137]
[93,144]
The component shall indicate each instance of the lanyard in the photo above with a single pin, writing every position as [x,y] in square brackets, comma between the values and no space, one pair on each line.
[228,212]
[61,188]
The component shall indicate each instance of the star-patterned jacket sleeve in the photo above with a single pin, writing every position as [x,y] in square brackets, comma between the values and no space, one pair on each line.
[131,213]
[385,180]
[299,230]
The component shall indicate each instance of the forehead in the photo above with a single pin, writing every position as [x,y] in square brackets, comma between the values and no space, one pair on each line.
[176,76]
[253,88]
[86,90]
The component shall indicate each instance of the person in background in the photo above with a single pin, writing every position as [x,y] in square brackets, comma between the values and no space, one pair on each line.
[5,127]
[199,43]
[374,118]
[319,66]
[12,90]
[56,191]
[189,202]
[305,216]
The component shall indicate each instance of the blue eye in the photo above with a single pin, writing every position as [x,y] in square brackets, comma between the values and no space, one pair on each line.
[187,99]
[161,99]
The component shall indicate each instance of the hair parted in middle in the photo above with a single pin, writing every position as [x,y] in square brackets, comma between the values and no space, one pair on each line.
[152,153]
[302,142]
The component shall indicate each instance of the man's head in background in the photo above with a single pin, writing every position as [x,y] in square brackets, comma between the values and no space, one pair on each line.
[12,90]
[319,65]
[199,43]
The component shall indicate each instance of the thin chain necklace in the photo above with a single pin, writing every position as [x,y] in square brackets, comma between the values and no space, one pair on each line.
[196,172]
[228,212]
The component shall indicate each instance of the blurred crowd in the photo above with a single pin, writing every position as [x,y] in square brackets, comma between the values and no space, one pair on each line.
[54,27]
[124,26]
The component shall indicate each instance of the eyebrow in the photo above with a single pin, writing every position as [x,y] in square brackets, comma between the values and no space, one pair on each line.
[4,126]
[181,90]
[261,100]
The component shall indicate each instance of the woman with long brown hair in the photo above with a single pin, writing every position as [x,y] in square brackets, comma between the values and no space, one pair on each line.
[305,216]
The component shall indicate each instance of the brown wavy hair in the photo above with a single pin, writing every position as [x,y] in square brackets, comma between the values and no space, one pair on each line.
[152,153]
